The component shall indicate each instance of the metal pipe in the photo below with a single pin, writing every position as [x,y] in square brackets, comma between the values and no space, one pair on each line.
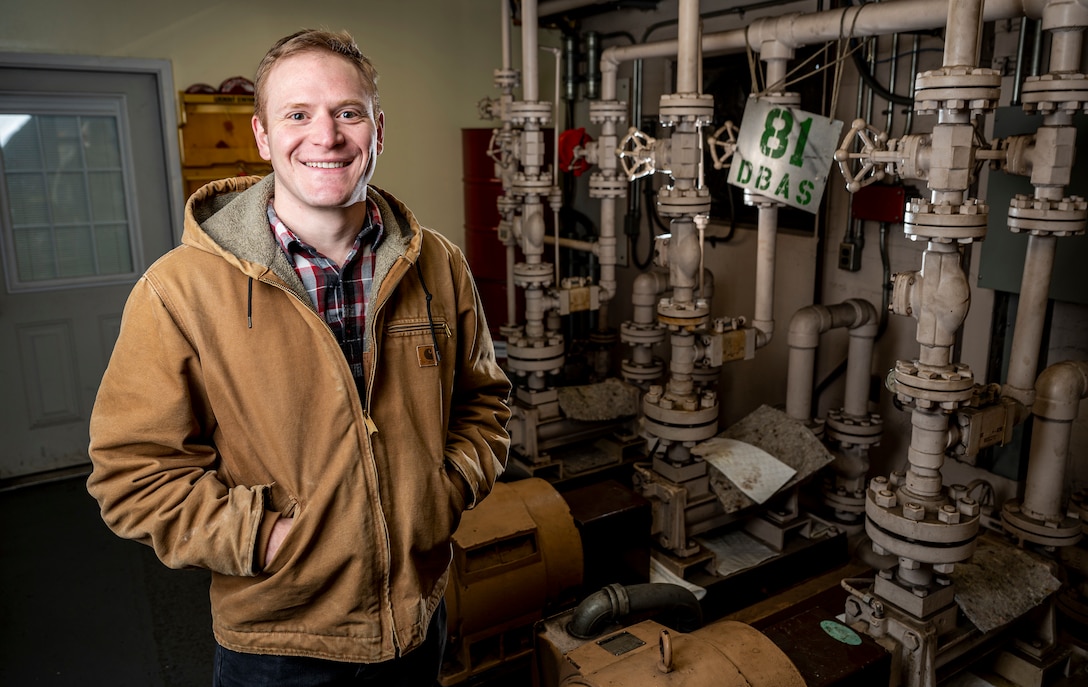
[529,48]
[1057,401]
[766,240]
[1027,335]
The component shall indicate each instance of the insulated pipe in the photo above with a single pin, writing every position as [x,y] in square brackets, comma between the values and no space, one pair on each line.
[964,29]
[687,54]
[806,326]
[529,48]
[1057,402]
[766,238]
[1027,336]
[616,601]
[504,10]
[644,294]
[798,30]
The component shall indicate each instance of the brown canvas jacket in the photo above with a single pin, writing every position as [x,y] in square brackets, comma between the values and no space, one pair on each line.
[228,403]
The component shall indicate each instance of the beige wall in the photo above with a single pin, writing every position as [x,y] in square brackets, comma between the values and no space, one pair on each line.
[435,58]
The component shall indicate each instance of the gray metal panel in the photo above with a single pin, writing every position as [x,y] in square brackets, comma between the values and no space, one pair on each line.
[1002,261]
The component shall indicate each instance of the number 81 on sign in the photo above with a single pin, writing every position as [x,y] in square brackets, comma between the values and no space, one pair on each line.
[784,154]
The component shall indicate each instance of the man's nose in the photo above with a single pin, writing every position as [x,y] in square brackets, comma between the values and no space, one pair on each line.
[326,131]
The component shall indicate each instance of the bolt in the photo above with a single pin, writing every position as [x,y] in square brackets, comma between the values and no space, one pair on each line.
[948,514]
[969,507]
[913,511]
[885,499]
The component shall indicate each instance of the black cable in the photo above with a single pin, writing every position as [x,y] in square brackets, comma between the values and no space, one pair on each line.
[870,80]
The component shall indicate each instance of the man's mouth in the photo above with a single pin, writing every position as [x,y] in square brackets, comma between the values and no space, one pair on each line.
[326,165]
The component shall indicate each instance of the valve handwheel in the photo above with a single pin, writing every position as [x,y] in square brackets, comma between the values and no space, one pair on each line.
[869,171]
[725,140]
[636,154]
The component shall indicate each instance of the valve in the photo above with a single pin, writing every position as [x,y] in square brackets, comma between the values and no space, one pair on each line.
[725,139]
[499,148]
[872,141]
[636,153]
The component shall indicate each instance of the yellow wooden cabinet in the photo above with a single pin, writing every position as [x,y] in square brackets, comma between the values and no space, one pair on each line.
[216,138]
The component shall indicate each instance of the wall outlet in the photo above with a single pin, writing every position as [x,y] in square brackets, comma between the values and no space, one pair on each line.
[849,256]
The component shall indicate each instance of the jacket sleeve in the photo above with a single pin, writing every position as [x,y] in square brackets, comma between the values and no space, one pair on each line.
[154,462]
[477,442]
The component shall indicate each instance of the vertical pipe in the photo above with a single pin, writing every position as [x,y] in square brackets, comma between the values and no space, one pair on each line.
[766,237]
[529,48]
[687,66]
[1058,393]
[504,9]
[1031,316]
[963,33]
[859,361]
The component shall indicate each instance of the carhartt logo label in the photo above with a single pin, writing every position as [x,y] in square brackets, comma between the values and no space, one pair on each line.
[426,355]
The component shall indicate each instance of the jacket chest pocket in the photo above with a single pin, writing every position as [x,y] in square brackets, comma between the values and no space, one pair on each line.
[422,340]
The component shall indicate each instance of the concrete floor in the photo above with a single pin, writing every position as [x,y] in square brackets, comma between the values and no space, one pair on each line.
[82,607]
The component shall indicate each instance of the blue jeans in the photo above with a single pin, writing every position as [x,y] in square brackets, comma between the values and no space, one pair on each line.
[420,668]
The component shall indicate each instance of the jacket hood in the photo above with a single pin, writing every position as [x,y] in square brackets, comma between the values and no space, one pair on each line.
[228,217]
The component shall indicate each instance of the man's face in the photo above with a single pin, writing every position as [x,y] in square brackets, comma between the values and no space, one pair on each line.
[321,133]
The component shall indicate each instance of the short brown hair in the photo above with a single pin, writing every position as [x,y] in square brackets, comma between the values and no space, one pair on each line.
[337,42]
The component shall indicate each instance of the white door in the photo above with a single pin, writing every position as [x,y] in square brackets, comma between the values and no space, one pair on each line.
[90,195]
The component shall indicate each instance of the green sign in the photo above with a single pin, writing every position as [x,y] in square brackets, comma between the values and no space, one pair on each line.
[784,153]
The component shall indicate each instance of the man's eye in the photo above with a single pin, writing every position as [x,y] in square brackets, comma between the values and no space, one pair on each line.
[349,115]
[296,116]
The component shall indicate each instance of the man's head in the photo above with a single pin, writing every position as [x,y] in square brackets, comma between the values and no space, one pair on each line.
[317,121]
[338,42]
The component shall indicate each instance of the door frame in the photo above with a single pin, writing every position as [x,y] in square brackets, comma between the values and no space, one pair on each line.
[162,71]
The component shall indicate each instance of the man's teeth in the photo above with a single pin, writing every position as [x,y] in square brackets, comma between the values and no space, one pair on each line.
[327,165]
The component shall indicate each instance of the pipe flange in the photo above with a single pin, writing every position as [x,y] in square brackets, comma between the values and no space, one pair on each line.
[687,316]
[602,186]
[1059,530]
[907,528]
[601,111]
[841,500]
[642,334]
[642,372]
[679,419]
[1078,504]
[854,431]
[524,112]
[925,386]
[527,275]
[945,222]
[535,355]
[507,78]
[686,107]
[1055,92]
[536,185]
[957,89]
[1040,216]
[673,202]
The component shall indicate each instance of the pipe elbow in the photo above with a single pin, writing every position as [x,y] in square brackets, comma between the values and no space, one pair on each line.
[866,321]
[616,601]
[807,324]
[1059,389]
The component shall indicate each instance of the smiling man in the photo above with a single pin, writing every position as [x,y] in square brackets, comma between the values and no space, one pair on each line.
[304,397]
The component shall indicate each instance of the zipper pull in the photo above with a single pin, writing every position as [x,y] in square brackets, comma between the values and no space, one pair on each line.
[371,428]
[449,332]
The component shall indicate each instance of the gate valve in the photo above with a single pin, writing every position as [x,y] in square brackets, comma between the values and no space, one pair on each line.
[725,139]
[636,153]
[871,170]
[499,148]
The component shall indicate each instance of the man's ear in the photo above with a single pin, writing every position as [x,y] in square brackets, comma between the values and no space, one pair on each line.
[261,136]
[379,132]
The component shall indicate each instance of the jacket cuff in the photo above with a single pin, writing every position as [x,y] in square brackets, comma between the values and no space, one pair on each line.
[264,532]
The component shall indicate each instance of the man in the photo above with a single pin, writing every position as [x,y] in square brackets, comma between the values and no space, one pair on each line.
[304,397]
